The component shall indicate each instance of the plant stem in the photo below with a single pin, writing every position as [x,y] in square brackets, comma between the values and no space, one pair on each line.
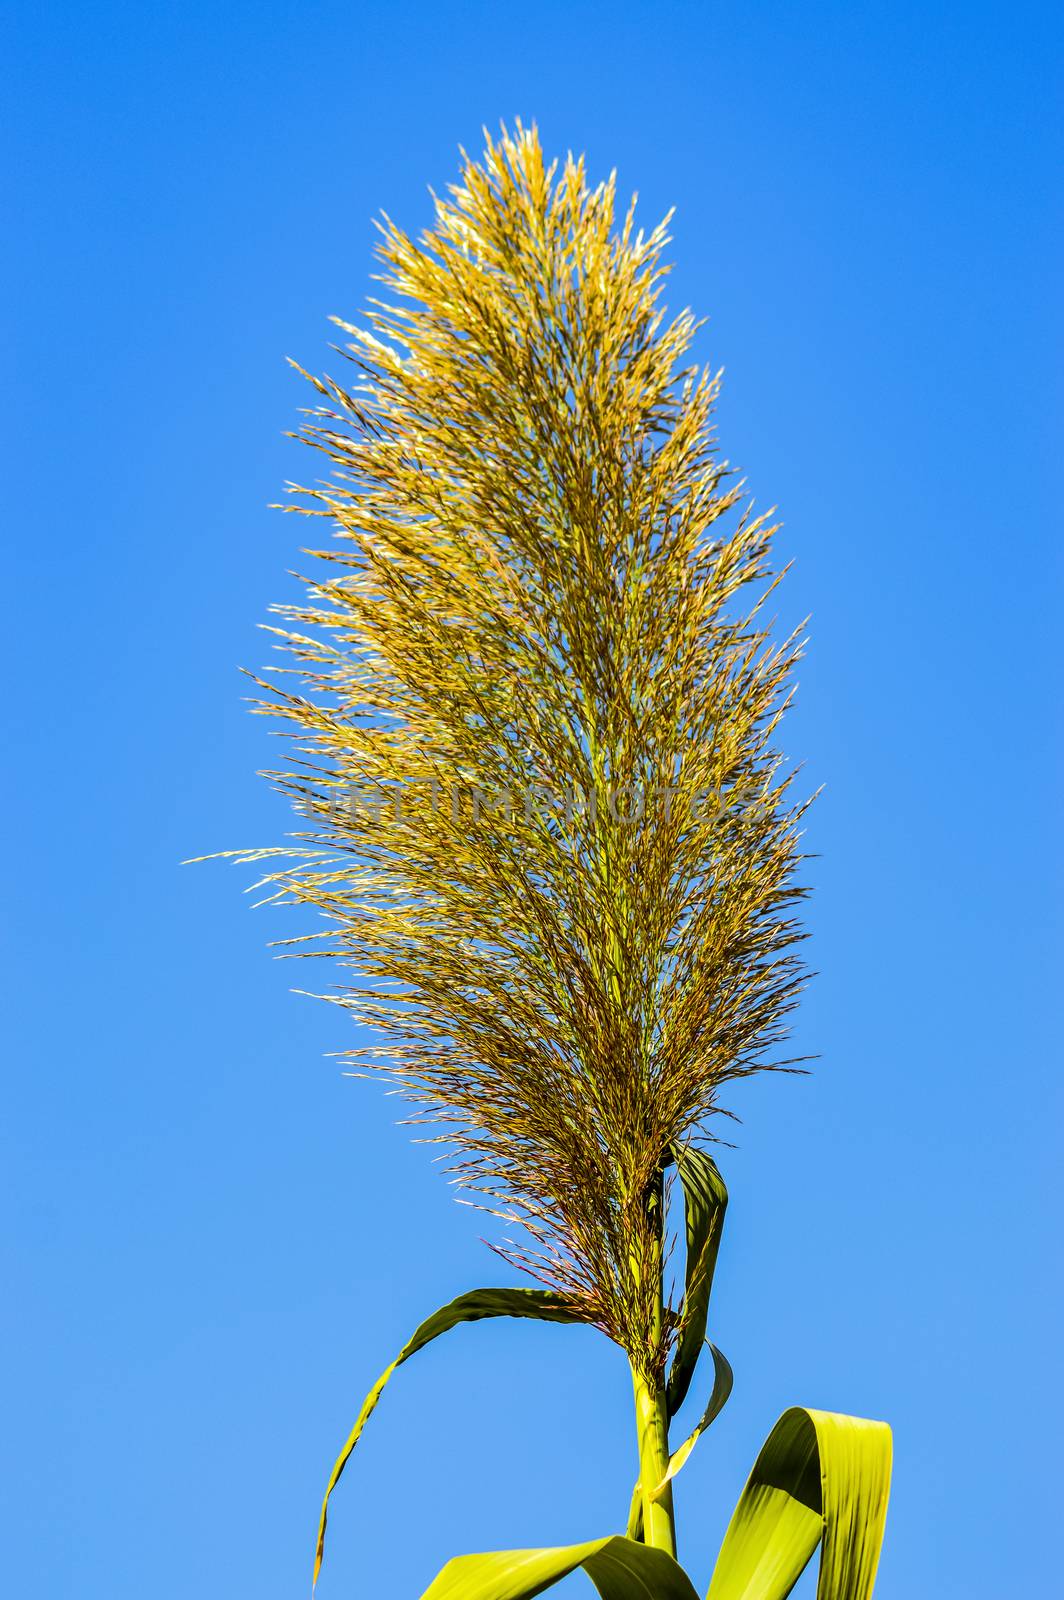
[651,1413]
[652,1430]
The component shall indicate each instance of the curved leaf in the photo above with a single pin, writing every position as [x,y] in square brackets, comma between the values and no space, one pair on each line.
[619,1568]
[820,1479]
[722,1388]
[705,1199]
[542,1304]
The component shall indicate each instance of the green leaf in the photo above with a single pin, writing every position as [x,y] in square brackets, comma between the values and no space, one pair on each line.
[543,1304]
[705,1199]
[722,1388]
[820,1479]
[619,1568]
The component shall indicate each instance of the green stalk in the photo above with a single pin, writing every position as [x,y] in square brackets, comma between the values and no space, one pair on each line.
[652,1431]
[651,1413]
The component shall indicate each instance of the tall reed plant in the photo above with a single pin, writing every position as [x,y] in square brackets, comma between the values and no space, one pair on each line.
[547,828]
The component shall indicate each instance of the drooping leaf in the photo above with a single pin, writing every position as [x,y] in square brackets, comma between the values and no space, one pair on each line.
[705,1199]
[722,1388]
[543,1304]
[820,1479]
[619,1568]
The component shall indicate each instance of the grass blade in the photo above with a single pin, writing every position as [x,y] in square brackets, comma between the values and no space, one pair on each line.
[820,1479]
[722,1388]
[543,1304]
[619,1568]
[705,1199]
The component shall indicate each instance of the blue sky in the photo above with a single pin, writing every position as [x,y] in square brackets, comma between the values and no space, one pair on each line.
[212,1242]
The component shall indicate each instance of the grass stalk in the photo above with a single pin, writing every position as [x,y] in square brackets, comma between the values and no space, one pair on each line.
[652,1432]
[651,1413]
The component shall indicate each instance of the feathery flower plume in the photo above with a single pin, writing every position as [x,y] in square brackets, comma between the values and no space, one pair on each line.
[535,707]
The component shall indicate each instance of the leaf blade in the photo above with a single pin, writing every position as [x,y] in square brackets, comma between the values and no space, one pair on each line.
[705,1198]
[722,1387]
[543,1304]
[820,1478]
[619,1568]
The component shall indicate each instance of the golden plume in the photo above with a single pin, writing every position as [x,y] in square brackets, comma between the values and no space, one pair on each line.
[535,711]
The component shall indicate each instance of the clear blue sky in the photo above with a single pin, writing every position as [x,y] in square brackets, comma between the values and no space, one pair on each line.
[212,1242]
